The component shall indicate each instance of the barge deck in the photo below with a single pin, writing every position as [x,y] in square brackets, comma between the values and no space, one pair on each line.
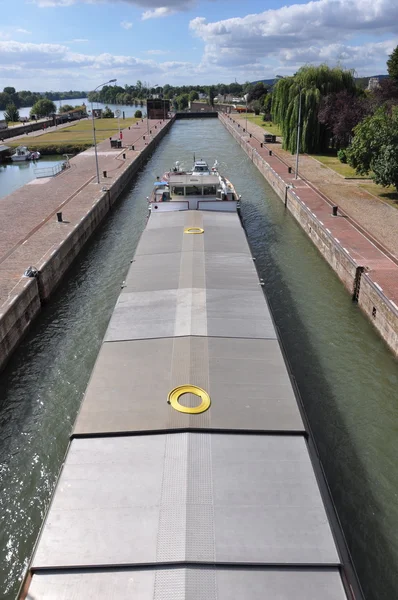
[188,474]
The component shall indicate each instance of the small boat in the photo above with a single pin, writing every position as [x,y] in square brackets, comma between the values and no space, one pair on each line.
[22,153]
[201,188]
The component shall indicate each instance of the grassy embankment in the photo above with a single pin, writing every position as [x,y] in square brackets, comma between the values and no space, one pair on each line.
[268,126]
[73,139]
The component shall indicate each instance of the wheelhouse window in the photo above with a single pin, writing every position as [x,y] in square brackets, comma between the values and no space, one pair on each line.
[193,190]
[178,190]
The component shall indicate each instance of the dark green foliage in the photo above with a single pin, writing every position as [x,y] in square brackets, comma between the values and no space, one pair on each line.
[256,106]
[138,114]
[375,147]
[11,113]
[66,108]
[193,96]
[314,83]
[392,65]
[43,108]
[107,113]
[342,155]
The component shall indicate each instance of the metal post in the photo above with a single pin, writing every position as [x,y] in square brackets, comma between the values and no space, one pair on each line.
[95,144]
[94,137]
[298,137]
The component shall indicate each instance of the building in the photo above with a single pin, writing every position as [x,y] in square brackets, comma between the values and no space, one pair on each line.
[158,108]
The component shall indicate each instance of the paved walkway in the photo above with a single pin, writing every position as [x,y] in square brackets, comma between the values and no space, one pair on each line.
[381,262]
[377,218]
[29,230]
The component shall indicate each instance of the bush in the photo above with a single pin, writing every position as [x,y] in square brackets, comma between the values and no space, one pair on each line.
[138,114]
[107,113]
[342,155]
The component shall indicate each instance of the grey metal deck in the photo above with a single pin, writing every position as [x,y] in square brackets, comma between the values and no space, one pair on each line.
[153,503]
[246,379]
[187,497]
[193,583]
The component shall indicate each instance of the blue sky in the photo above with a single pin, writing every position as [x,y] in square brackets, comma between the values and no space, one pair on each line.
[78,44]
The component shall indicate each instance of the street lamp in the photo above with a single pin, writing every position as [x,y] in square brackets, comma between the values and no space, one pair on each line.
[92,118]
[246,96]
[298,136]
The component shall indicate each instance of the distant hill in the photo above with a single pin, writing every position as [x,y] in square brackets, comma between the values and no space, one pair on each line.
[361,82]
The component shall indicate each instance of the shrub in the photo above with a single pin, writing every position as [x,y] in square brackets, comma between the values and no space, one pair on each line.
[138,114]
[342,155]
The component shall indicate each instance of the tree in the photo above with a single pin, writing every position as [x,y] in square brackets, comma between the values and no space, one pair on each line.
[211,95]
[182,101]
[340,113]
[193,96]
[138,114]
[375,147]
[11,113]
[66,108]
[312,83]
[107,113]
[392,65]
[43,108]
[256,105]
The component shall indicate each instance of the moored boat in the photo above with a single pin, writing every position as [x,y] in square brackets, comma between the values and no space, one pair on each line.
[22,153]
[201,188]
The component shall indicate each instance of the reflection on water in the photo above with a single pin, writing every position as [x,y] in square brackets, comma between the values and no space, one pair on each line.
[346,376]
[14,175]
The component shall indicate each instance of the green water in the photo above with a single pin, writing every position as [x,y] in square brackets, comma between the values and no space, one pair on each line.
[347,378]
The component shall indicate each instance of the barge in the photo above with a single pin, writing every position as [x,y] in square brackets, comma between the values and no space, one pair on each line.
[189,473]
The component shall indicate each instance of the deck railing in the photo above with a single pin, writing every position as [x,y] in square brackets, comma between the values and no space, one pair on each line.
[51,171]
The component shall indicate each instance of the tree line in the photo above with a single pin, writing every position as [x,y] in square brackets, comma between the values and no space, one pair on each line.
[362,125]
[25,98]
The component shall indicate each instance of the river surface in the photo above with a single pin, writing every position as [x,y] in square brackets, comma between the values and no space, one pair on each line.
[347,378]
[14,175]
[128,110]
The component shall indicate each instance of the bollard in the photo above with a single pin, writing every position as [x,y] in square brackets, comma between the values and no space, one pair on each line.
[244,130]
[270,152]
[132,147]
[129,128]
[250,134]
[104,174]
[143,137]
[150,131]
[59,217]
[156,126]
[334,210]
[124,156]
[110,139]
[261,144]
[289,169]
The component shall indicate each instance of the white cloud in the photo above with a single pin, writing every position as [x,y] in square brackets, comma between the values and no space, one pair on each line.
[172,5]
[314,32]
[126,24]
[22,31]
[156,52]
[156,13]
[78,41]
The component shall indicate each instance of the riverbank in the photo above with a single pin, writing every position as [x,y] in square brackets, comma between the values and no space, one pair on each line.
[369,273]
[41,239]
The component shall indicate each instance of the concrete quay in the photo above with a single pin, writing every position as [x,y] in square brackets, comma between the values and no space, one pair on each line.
[367,269]
[31,235]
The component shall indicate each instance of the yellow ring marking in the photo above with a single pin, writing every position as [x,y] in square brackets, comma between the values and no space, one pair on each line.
[193,230]
[174,396]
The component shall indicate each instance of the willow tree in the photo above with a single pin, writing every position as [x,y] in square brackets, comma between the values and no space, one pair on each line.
[313,83]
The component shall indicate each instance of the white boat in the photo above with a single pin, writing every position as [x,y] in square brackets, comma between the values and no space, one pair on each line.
[201,188]
[22,153]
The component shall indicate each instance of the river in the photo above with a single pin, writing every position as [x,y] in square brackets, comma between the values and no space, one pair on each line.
[347,377]
[128,110]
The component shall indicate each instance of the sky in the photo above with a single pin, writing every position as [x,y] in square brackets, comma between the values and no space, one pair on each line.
[78,44]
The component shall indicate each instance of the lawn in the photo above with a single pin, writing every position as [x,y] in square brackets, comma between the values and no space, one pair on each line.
[331,161]
[387,194]
[80,133]
[268,126]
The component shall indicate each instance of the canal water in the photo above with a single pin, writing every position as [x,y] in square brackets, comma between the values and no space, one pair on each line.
[347,378]
[128,110]
[14,175]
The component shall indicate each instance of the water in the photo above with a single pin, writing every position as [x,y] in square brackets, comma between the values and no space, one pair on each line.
[346,376]
[128,110]
[16,175]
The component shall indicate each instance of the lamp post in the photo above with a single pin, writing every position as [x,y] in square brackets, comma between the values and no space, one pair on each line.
[246,96]
[298,136]
[92,119]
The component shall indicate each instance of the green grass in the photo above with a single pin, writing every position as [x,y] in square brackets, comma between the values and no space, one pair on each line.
[79,134]
[330,160]
[268,126]
[387,194]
